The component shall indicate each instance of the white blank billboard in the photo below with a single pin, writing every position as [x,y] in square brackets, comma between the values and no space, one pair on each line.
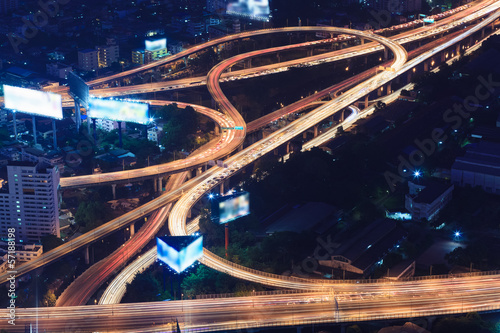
[118,110]
[153,45]
[33,101]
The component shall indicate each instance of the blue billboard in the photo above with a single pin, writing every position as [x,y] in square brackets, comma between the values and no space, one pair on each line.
[253,9]
[78,88]
[229,208]
[179,252]
[118,110]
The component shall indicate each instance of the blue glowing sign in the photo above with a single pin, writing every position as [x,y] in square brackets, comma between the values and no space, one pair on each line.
[118,110]
[179,252]
[229,208]
[253,9]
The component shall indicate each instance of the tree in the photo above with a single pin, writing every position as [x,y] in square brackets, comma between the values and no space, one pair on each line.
[50,242]
[90,214]
[354,329]
[145,288]
[49,299]
[470,323]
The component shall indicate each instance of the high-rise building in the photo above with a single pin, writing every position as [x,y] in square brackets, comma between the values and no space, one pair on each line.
[8,5]
[107,55]
[138,56]
[88,60]
[29,202]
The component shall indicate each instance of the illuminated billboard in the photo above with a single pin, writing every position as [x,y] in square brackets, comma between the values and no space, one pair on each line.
[78,88]
[36,102]
[253,9]
[229,208]
[179,252]
[153,45]
[118,110]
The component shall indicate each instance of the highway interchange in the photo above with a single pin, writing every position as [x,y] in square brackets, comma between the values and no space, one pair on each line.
[474,291]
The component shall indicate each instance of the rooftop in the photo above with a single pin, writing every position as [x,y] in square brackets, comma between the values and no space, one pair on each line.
[431,192]
[371,243]
[483,158]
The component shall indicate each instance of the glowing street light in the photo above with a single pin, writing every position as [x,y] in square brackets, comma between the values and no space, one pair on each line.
[417,174]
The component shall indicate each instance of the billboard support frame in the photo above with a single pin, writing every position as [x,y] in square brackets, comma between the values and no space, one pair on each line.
[54,133]
[34,128]
[15,124]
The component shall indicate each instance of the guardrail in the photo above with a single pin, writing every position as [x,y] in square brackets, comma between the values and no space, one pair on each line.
[335,319]
[323,282]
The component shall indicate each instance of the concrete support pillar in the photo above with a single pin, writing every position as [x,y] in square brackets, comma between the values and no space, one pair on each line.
[386,53]
[189,213]
[155,183]
[443,56]
[342,116]
[458,49]
[366,101]
[310,52]
[278,56]
[362,41]
[54,133]
[366,60]
[408,76]
[316,130]
[198,171]
[471,41]
[88,124]
[304,135]
[160,184]
[379,91]
[248,63]
[34,128]
[87,256]
[78,117]
[221,188]
[132,230]
[426,66]
[217,129]
[389,88]
[113,188]
[482,33]
[14,120]
[288,147]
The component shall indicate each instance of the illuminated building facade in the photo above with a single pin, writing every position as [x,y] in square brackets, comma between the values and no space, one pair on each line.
[30,201]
